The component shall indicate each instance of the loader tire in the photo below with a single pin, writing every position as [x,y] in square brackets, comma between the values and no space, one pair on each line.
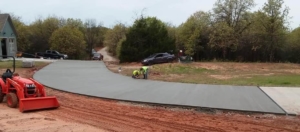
[1,95]
[12,100]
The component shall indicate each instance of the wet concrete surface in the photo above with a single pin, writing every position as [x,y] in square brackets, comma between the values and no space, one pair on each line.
[94,79]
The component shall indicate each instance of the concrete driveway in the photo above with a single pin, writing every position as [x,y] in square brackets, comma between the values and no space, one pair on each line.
[287,97]
[92,78]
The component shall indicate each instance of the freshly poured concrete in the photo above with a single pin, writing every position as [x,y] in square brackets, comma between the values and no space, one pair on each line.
[94,79]
[288,98]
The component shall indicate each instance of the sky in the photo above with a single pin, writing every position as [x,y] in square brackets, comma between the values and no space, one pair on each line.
[109,12]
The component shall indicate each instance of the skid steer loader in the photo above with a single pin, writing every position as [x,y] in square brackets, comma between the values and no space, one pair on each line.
[28,94]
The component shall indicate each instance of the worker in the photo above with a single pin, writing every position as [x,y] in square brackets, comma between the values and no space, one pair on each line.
[135,74]
[144,70]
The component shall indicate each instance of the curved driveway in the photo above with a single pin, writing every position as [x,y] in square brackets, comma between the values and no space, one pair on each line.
[92,78]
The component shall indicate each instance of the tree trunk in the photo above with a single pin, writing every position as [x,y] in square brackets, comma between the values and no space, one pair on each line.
[224,53]
[271,55]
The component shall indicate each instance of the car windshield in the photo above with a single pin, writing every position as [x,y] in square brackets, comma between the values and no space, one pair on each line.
[152,55]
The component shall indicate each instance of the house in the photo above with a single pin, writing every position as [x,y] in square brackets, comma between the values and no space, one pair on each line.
[8,36]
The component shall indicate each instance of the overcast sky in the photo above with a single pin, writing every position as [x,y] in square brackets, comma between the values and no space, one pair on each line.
[110,11]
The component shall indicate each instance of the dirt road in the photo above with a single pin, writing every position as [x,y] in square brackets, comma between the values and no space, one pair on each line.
[106,55]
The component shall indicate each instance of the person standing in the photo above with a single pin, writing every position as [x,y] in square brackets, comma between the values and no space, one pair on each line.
[144,70]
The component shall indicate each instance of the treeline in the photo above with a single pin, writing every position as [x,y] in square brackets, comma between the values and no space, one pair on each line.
[229,32]
[74,37]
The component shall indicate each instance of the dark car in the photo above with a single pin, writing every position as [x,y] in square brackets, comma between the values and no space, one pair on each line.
[158,58]
[97,56]
[53,54]
[27,55]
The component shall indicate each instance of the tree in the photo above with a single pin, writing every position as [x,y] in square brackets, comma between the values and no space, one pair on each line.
[233,17]
[113,36]
[41,31]
[68,40]
[119,47]
[92,34]
[222,38]
[273,19]
[233,12]
[75,23]
[23,34]
[292,47]
[193,34]
[101,38]
[251,41]
[147,36]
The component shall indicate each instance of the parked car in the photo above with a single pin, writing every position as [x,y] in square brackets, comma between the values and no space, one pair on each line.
[158,58]
[27,55]
[52,54]
[39,54]
[97,56]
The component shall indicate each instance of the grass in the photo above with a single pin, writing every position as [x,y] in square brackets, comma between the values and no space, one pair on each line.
[278,80]
[9,64]
[180,69]
[226,73]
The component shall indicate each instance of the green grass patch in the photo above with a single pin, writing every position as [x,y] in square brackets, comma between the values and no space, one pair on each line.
[275,80]
[251,74]
[180,69]
[9,64]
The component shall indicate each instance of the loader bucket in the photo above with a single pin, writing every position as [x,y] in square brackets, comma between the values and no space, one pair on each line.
[29,104]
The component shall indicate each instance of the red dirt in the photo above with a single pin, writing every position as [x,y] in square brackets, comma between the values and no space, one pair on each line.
[115,116]
[119,116]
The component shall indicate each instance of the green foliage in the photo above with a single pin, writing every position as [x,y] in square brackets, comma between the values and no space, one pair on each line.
[292,48]
[92,32]
[68,40]
[181,69]
[23,34]
[147,36]
[40,33]
[233,12]
[74,23]
[273,20]
[114,36]
[223,38]
[231,31]
[231,21]
[193,32]
[119,47]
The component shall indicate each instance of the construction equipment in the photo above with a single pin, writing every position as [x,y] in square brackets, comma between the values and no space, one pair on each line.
[27,93]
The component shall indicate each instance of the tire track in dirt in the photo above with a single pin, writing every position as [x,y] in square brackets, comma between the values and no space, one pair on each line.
[106,115]
[130,122]
[127,120]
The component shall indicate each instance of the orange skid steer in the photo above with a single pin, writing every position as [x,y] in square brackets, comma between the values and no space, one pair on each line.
[28,94]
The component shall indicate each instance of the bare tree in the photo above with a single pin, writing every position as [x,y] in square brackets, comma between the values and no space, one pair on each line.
[91,33]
